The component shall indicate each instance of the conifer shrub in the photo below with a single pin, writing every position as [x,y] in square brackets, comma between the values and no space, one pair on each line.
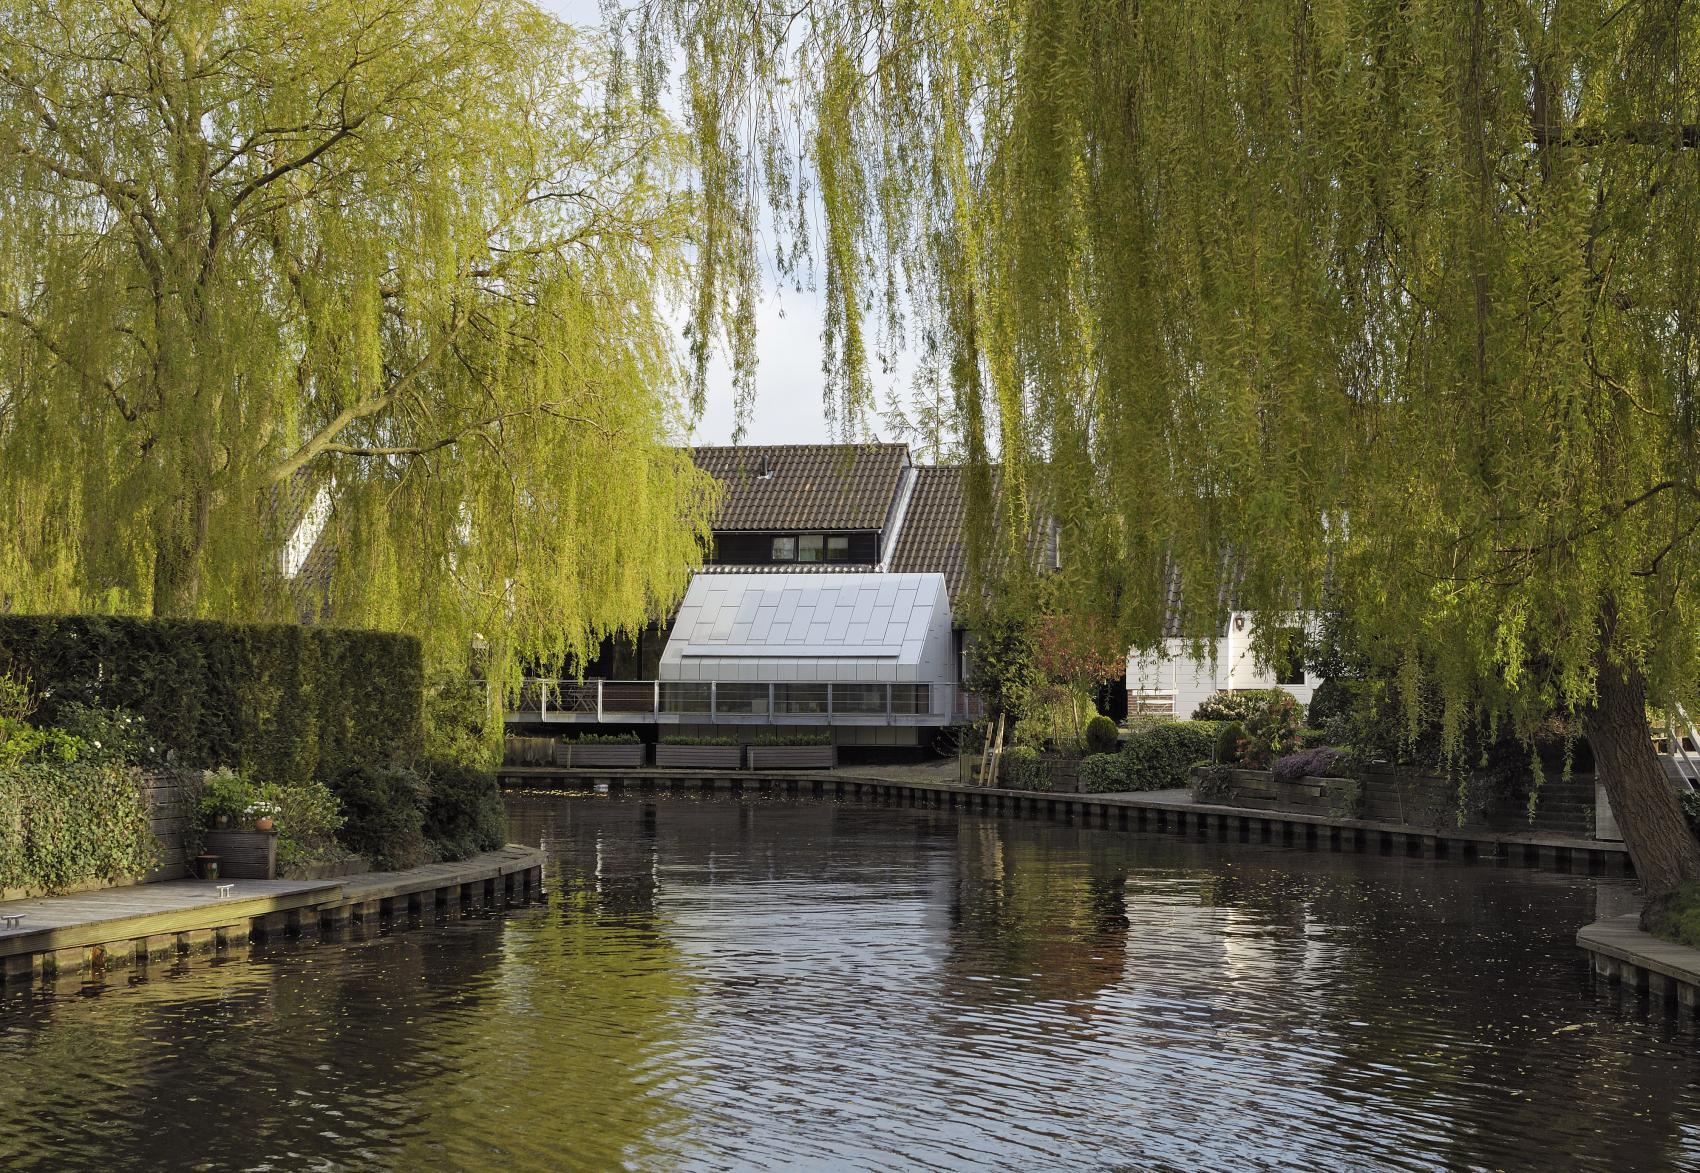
[1101,735]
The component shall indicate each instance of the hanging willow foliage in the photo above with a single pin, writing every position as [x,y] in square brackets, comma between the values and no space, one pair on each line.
[400,269]
[1386,303]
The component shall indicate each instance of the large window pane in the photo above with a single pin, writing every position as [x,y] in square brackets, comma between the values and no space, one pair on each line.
[811,547]
[684,697]
[858,698]
[799,698]
[911,698]
[740,698]
[838,549]
[785,549]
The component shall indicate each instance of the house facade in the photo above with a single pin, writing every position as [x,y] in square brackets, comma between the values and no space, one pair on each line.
[1173,681]
[827,605]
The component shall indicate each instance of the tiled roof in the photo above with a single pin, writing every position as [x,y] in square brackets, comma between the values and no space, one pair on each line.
[786,568]
[931,539]
[805,486]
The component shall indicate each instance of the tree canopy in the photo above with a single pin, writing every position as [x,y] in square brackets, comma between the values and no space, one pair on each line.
[399,271]
[1266,300]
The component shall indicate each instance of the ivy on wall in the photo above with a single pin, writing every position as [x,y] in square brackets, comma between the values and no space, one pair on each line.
[291,704]
[68,823]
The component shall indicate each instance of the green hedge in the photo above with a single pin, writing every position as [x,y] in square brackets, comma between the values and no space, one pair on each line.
[290,704]
[1162,759]
[1103,773]
[65,823]
[1022,769]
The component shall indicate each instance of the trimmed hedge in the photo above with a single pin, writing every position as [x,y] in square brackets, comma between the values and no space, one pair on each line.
[463,812]
[287,703]
[1103,773]
[1163,758]
[1022,769]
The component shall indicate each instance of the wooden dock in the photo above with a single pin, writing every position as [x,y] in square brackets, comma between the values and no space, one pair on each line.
[1167,811]
[58,936]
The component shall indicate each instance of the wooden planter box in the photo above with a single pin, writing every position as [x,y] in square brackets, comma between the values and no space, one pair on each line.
[699,757]
[793,757]
[617,754]
[243,855]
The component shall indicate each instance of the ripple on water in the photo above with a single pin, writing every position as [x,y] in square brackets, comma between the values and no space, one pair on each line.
[731,984]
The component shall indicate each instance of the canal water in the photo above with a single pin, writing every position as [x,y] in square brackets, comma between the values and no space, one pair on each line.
[775,983]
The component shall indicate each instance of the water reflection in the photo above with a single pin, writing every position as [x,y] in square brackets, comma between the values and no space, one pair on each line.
[784,984]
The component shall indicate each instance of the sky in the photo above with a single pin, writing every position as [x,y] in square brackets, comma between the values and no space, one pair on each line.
[788,407]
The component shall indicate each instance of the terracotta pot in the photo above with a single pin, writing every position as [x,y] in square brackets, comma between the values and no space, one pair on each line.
[263,823]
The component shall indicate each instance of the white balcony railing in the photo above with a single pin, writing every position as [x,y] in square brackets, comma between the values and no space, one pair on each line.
[744,703]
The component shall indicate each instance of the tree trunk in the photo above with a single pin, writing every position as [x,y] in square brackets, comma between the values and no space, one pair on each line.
[177,556]
[1648,811]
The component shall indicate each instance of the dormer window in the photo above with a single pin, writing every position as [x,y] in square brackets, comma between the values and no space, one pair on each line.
[785,549]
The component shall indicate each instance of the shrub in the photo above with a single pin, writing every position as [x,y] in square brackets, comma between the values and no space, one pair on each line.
[457,717]
[1271,730]
[1213,784]
[463,812]
[1104,773]
[292,703]
[599,739]
[1332,698]
[693,739]
[114,735]
[793,739]
[1163,758]
[1236,706]
[308,817]
[65,823]
[1021,769]
[1101,735]
[1226,751]
[383,814]
[224,792]
[1325,761]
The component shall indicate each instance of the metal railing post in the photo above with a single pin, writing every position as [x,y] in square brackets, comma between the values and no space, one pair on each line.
[713,700]
[888,704]
[599,701]
[829,702]
[771,697]
[655,701]
[543,699]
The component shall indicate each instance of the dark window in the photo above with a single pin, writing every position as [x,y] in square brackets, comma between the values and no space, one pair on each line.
[838,549]
[784,549]
[810,547]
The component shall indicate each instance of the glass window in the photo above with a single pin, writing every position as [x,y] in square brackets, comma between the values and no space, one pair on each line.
[799,698]
[858,698]
[810,547]
[785,549]
[838,549]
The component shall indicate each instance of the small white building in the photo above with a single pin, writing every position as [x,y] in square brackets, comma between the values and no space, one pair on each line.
[1173,682]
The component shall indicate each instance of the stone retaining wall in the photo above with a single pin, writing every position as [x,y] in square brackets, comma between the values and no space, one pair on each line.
[1565,806]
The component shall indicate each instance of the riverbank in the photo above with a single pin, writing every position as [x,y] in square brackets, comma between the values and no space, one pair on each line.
[1169,811]
[1666,974]
[58,937]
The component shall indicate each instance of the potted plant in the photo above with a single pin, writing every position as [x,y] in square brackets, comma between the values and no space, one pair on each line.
[793,751]
[229,801]
[600,749]
[681,751]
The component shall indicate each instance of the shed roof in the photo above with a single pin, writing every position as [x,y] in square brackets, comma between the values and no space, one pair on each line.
[805,486]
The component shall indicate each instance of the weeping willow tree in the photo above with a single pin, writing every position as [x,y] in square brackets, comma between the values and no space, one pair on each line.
[1263,298]
[364,303]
